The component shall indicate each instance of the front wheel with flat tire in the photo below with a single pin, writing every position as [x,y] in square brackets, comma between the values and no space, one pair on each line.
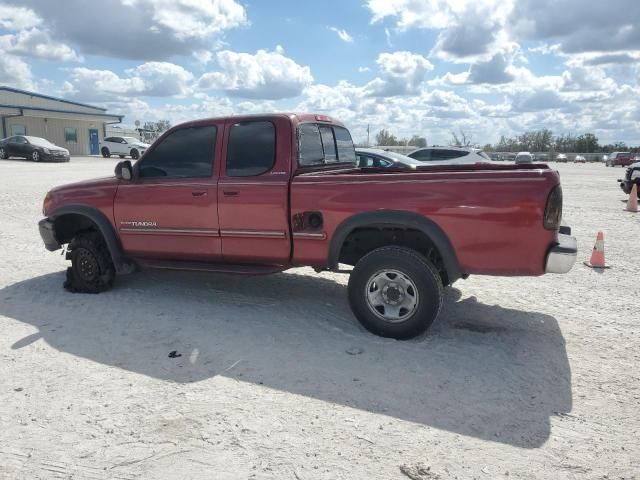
[395,292]
[3,154]
[135,154]
[91,270]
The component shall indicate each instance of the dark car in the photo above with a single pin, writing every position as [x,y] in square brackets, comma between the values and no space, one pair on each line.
[378,158]
[632,176]
[32,148]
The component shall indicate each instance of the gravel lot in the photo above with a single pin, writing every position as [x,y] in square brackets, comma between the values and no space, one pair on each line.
[527,378]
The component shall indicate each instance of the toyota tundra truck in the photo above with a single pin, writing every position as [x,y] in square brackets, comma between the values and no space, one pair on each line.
[262,194]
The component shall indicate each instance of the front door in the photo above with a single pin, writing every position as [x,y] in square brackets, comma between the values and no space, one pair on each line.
[253,192]
[170,210]
[94,141]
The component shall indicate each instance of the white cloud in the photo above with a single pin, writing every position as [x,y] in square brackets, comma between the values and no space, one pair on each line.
[343,34]
[38,43]
[192,18]
[401,73]
[139,29]
[265,75]
[152,79]
[17,18]
[15,72]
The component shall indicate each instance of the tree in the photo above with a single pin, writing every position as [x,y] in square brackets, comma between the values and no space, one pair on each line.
[587,143]
[152,130]
[418,141]
[463,140]
[384,138]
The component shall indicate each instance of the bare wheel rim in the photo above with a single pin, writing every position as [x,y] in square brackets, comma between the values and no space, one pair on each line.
[392,295]
[1,152]
[87,266]
[35,156]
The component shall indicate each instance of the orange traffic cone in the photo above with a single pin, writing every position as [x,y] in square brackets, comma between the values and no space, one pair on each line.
[597,256]
[632,203]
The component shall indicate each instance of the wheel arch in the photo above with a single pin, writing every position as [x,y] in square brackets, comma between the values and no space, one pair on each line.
[385,219]
[71,219]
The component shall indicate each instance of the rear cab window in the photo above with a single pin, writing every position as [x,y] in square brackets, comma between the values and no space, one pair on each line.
[322,144]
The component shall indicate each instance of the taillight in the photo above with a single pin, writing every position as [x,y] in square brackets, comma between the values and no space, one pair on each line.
[553,210]
[46,203]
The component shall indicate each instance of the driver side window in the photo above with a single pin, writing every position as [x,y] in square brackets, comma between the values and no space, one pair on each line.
[184,153]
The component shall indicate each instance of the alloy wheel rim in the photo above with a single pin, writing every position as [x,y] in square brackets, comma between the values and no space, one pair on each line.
[87,265]
[392,295]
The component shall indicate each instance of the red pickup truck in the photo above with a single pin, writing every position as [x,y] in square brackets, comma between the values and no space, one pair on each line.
[261,194]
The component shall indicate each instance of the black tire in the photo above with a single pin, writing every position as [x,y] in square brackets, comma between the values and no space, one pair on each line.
[3,153]
[105,152]
[135,154]
[121,156]
[91,270]
[418,270]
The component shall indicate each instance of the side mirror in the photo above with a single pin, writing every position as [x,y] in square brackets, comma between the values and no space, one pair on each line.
[124,170]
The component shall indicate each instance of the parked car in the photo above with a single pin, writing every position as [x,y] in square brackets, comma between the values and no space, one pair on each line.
[123,147]
[261,194]
[378,158]
[579,159]
[450,155]
[524,157]
[562,158]
[32,148]
[622,159]
[632,176]
[540,157]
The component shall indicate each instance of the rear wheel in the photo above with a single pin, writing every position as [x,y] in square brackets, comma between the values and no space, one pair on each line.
[395,292]
[105,152]
[35,156]
[91,270]
[3,153]
[135,154]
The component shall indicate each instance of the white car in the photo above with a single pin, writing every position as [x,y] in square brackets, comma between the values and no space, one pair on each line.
[450,155]
[524,157]
[123,146]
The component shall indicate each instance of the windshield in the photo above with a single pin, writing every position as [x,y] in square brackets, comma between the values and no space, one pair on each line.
[40,142]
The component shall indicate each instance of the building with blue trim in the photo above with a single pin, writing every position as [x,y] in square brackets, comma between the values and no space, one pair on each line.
[75,126]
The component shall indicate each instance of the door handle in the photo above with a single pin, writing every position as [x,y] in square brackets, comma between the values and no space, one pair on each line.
[199,193]
[230,193]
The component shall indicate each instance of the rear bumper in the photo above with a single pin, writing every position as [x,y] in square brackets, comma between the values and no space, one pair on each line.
[562,256]
[48,234]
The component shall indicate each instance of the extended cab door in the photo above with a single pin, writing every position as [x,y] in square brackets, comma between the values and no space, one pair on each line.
[170,211]
[253,191]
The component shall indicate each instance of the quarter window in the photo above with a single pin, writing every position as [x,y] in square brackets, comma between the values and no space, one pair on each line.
[346,152]
[70,135]
[252,149]
[329,145]
[324,144]
[184,153]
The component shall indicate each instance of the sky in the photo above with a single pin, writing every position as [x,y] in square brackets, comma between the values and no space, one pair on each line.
[413,67]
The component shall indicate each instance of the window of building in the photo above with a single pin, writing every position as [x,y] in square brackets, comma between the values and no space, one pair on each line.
[184,153]
[18,130]
[70,135]
[252,149]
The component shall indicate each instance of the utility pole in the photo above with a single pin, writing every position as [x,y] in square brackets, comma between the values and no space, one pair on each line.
[368,131]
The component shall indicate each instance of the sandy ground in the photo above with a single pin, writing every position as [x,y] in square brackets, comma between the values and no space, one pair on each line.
[527,378]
